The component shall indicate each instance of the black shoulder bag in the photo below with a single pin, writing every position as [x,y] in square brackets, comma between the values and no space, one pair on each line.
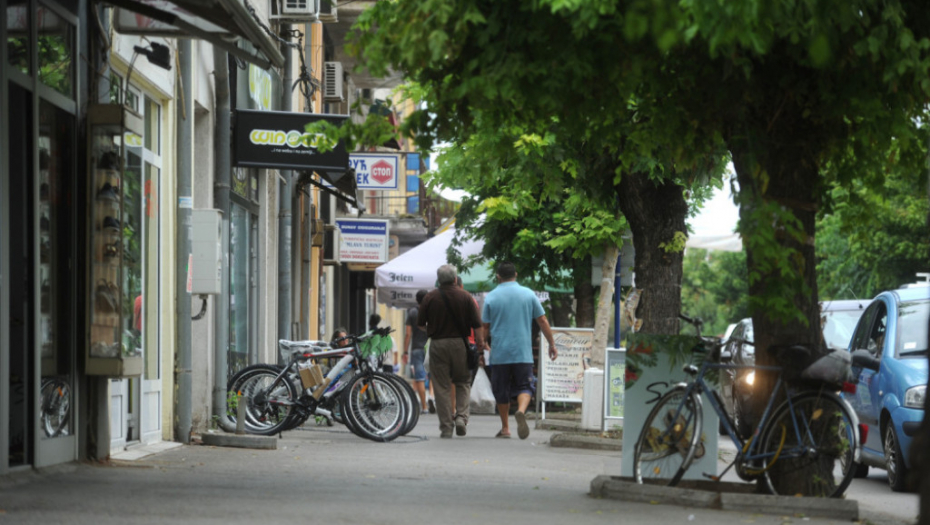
[471,353]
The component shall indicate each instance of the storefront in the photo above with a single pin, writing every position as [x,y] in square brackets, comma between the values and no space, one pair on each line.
[88,222]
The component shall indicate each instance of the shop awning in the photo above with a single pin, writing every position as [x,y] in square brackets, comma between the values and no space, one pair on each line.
[220,22]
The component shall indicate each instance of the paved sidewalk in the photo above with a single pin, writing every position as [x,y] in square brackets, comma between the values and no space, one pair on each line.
[328,475]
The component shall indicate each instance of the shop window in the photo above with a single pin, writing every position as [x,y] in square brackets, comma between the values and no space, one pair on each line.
[56,51]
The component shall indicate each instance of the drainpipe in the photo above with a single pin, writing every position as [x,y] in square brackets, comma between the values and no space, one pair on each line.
[185,138]
[285,209]
[221,187]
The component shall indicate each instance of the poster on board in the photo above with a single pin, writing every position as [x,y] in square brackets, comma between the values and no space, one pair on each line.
[653,365]
[562,379]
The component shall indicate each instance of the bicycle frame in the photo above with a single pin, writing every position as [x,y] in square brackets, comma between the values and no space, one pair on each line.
[745,449]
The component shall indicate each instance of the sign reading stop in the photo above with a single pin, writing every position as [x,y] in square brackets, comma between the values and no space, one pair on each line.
[375,171]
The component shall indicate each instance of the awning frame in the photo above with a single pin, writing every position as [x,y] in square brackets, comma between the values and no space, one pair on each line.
[242,18]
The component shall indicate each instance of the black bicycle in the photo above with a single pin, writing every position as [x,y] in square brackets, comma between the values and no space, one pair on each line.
[812,435]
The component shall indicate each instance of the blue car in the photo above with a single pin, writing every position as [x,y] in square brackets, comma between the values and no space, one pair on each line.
[889,349]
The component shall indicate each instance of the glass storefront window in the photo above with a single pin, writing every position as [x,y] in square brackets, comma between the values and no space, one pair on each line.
[56,157]
[18,49]
[238,288]
[56,51]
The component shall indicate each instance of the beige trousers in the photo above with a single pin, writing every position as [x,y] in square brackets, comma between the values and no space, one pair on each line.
[447,366]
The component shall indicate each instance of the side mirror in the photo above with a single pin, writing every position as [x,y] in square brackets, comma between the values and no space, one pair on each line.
[863,359]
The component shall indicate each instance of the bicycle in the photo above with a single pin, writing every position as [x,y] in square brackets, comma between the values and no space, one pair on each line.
[56,406]
[811,433]
[373,404]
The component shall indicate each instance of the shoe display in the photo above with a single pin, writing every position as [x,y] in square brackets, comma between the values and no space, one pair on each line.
[107,193]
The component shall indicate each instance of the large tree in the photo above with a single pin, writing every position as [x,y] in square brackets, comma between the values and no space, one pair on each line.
[791,88]
[488,65]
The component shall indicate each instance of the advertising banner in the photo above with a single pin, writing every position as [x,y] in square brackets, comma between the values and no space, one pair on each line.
[362,241]
[653,365]
[376,171]
[278,139]
[563,379]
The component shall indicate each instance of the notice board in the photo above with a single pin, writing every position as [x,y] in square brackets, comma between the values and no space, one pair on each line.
[562,379]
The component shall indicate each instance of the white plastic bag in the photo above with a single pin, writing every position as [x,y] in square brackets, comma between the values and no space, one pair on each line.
[482,397]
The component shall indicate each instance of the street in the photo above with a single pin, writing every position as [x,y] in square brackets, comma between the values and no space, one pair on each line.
[328,475]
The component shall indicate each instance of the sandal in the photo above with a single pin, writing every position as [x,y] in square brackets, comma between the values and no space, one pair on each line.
[502,435]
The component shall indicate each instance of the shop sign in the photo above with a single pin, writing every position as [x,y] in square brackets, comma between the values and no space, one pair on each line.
[375,171]
[278,139]
[362,241]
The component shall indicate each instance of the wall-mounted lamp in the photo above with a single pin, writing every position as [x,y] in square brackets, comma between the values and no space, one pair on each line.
[158,55]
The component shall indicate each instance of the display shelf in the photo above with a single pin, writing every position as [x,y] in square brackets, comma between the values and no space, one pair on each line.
[109,316]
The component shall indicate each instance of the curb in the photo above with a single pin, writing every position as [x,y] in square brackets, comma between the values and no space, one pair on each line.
[240,441]
[585,442]
[723,495]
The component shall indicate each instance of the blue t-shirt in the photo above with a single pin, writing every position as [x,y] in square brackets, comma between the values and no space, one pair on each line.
[511,310]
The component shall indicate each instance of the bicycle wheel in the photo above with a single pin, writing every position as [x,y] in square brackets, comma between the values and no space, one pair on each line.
[56,407]
[669,439]
[411,402]
[375,407]
[818,464]
[272,400]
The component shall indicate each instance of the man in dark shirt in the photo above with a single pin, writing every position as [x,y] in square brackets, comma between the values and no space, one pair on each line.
[446,314]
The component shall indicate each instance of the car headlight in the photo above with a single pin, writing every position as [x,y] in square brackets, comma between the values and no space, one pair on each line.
[750,378]
[915,397]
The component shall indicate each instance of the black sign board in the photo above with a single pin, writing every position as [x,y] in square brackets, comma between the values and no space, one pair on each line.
[278,139]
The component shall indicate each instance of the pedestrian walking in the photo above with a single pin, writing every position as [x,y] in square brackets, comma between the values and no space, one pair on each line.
[446,313]
[507,317]
[415,348]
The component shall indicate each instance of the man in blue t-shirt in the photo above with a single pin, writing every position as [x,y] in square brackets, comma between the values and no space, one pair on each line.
[507,316]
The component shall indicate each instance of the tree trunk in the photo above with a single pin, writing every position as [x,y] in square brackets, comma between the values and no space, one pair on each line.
[599,344]
[584,293]
[561,309]
[778,178]
[656,212]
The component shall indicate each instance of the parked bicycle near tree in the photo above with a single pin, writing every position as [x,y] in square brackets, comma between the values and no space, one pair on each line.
[812,435]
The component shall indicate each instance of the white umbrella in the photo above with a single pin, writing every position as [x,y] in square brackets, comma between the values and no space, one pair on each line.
[399,279]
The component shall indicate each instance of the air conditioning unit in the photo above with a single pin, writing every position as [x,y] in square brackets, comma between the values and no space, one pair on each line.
[328,11]
[332,82]
[308,10]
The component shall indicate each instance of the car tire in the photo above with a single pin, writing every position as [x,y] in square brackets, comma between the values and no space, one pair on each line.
[894,460]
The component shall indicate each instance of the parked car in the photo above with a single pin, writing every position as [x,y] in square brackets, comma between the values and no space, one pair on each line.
[838,320]
[892,382]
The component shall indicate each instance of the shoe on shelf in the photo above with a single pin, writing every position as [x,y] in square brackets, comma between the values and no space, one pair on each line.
[110,223]
[107,193]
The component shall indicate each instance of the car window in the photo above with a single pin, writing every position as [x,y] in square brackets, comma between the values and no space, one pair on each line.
[912,328]
[861,336]
[838,327]
[876,342]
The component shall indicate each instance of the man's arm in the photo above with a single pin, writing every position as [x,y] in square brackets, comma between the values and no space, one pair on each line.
[486,331]
[547,332]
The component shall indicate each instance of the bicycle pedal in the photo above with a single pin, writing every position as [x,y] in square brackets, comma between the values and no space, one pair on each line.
[711,477]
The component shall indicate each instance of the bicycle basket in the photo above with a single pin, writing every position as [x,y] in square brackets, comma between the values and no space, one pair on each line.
[289,349]
[375,345]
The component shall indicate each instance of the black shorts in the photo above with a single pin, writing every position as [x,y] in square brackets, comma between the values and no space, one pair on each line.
[509,380]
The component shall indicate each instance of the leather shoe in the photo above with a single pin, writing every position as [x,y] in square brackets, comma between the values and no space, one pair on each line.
[460,429]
